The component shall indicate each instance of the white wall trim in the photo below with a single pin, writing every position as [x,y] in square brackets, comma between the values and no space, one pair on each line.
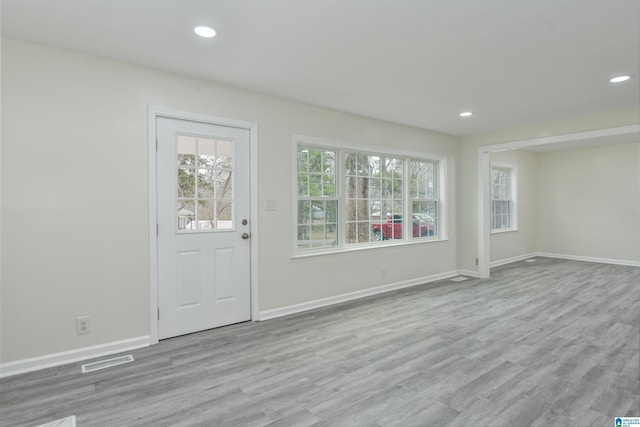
[629,263]
[567,137]
[350,296]
[513,259]
[470,273]
[153,113]
[505,261]
[334,144]
[484,212]
[71,356]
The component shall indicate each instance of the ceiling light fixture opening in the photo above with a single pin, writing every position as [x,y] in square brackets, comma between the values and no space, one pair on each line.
[466,114]
[206,32]
[620,79]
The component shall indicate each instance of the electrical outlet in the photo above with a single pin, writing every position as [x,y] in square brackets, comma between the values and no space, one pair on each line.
[83,325]
[383,273]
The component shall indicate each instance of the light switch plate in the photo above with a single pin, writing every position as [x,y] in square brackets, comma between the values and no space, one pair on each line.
[269,204]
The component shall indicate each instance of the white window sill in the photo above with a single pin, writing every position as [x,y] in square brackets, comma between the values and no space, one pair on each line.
[505,230]
[333,251]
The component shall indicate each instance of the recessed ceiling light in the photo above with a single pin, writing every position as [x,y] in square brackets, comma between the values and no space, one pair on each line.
[619,79]
[466,114]
[206,32]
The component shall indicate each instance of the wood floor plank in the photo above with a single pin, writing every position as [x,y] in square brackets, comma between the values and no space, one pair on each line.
[554,342]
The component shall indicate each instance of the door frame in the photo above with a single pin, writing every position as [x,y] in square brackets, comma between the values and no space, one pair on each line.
[153,113]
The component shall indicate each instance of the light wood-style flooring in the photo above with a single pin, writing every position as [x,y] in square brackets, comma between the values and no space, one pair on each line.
[548,343]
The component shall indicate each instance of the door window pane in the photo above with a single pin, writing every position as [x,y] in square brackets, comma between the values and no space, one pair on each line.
[206,152]
[204,183]
[186,214]
[186,150]
[186,183]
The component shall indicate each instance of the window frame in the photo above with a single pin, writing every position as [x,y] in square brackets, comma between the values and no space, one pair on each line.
[511,199]
[425,200]
[196,198]
[341,148]
[346,152]
[312,199]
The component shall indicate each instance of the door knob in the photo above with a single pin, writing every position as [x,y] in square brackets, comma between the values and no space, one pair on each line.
[245,236]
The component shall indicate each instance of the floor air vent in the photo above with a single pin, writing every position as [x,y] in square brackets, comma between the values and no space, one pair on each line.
[103,364]
[459,279]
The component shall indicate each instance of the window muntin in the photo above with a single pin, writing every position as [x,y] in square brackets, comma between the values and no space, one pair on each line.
[501,199]
[373,192]
[204,184]
[424,198]
[317,198]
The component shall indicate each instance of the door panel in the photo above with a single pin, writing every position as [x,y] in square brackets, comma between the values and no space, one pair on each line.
[203,198]
[188,278]
[224,274]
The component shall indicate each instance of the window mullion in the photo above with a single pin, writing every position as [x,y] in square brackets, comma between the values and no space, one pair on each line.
[407,227]
[340,194]
[197,184]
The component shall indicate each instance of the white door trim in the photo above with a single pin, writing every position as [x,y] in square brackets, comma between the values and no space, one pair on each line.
[153,113]
[484,166]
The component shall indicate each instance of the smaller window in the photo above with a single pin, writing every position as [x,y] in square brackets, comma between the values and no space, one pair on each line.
[502,198]
[424,198]
[317,198]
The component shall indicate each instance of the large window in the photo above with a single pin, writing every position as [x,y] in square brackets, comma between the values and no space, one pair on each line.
[502,198]
[350,197]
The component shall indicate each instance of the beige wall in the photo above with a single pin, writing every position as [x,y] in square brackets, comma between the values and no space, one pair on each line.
[589,202]
[582,202]
[468,171]
[75,197]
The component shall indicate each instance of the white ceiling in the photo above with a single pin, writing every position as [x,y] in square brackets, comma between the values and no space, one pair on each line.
[415,62]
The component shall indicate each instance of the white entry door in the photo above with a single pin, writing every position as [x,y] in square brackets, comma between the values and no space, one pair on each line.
[203,226]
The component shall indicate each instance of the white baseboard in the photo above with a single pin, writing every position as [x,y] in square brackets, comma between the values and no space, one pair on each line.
[590,259]
[71,356]
[470,273]
[513,259]
[311,305]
